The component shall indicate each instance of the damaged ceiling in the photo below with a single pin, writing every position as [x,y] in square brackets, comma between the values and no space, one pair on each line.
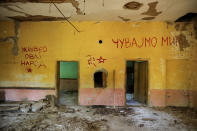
[96,10]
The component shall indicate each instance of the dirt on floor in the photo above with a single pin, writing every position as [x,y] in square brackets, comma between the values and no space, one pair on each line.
[36,116]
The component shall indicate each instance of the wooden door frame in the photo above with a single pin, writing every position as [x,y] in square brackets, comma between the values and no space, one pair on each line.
[58,78]
[148,75]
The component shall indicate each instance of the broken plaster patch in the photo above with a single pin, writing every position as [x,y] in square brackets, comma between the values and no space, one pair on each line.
[124,19]
[13,38]
[152,9]
[133,5]
[75,3]
[148,18]
[183,43]
[40,9]
[181,26]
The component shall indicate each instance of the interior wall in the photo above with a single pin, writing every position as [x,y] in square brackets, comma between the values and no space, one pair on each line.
[29,52]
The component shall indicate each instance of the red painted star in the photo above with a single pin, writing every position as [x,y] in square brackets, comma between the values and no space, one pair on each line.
[29,70]
[101,60]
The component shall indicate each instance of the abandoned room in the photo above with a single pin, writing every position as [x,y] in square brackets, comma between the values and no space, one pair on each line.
[98,65]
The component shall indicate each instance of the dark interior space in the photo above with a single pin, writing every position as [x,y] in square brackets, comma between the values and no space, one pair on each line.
[98,79]
[136,82]
[130,77]
[129,82]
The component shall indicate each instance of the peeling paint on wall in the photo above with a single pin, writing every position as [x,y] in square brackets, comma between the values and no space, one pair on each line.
[13,38]
[177,26]
[133,5]
[15,46]
[152,9]
[148,18]
[124,19]
[181,26]
[195,29]
[76,5]
[183,43]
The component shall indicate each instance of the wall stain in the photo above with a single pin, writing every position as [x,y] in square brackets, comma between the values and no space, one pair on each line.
[74,3]
[181,26]
[152,9]
[148,18]
[133,5]
[124,19]
[184,27]
[183,43]
[37,18]
[13,38]
[169,23]
[195,28]
[177,26]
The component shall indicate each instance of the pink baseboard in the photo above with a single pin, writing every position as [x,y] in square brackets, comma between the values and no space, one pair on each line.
[102,96]
[25,94]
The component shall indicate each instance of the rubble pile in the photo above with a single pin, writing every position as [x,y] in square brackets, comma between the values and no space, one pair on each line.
[114,111]
[46,114]
[30,106]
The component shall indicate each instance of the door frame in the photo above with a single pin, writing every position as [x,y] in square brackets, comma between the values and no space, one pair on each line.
[148,75]
[58,78]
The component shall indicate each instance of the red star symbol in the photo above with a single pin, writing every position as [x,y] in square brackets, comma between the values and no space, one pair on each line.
[29,70]
[101,60]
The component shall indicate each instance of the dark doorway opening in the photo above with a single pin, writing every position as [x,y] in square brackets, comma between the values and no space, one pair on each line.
[136,82]
[99,79]
[68,83]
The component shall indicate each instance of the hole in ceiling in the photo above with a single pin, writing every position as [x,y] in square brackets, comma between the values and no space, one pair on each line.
[187,17]
[100,41]
[132,5]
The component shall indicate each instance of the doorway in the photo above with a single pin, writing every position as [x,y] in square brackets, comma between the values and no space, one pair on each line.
[68,83]
[136,82]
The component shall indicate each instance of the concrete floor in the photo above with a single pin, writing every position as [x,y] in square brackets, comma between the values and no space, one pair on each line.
[79,118]
[130,100]
[68,97]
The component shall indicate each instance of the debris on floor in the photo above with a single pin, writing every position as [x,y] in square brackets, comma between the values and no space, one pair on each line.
[46,114]
[115,111]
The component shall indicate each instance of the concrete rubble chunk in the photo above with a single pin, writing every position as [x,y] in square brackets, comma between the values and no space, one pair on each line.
[37,106]
[25,108]
[52,100]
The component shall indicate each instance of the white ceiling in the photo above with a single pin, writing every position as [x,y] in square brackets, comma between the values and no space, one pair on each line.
[101,10]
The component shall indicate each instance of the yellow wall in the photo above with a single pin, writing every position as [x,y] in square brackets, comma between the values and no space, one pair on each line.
[60,42]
